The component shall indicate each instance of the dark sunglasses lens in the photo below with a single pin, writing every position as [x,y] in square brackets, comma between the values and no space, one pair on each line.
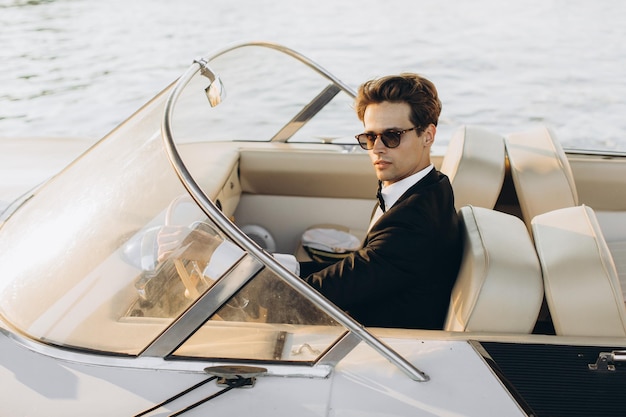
[366,140]
[391,138]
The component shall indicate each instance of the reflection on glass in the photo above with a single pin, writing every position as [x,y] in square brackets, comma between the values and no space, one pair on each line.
[268,299]
[193,259]
[265,320]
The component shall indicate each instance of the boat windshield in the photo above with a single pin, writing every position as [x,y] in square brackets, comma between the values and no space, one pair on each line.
[268,96]
[82,263]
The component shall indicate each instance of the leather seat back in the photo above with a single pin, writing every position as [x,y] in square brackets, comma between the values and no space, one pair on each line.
[541,173]
[499,287]
[475,163]
[582,287]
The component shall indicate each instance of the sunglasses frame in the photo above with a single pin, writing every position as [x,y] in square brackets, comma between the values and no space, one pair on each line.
[370,138]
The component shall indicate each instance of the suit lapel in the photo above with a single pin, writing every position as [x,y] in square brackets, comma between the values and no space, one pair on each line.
[431,178]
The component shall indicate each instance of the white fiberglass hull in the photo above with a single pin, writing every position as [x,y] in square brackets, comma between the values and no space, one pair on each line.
[362,384]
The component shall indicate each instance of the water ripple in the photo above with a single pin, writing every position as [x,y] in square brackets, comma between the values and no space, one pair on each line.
[79,67]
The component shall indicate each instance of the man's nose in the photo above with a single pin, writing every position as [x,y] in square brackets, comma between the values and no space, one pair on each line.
[378,144]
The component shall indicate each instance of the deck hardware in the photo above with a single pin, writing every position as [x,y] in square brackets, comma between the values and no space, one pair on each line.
[280,345]
[305,346]
[228,376]
[605,361]
[236,376]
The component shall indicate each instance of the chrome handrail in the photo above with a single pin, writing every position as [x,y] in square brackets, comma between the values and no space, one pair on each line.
[230,230]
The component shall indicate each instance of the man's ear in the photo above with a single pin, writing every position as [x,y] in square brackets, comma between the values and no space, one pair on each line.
[429,135]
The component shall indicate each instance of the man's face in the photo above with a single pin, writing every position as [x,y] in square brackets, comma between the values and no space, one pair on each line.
[413,153]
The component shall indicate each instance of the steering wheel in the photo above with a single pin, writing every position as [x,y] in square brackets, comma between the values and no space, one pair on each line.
[194,279]
[142,252]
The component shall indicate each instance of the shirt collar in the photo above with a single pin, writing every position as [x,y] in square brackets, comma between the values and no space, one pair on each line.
[392,192]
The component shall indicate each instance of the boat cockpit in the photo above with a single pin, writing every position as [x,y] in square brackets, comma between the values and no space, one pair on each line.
[255,165]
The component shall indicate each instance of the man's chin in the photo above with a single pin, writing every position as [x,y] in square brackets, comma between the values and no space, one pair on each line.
[383,176]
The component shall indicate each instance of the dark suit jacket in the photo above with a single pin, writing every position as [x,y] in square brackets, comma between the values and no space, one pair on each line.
[404,273]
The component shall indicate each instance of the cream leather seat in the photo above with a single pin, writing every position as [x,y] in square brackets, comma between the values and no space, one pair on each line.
[582,288]
[475,163]
[544,182]
[541,172]
[499,287]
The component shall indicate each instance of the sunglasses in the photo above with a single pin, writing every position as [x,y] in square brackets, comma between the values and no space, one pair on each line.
[390,138]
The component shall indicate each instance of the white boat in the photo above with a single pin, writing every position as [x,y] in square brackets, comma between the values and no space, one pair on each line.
[92,323]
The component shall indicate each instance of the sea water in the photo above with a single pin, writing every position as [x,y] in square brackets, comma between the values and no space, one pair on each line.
[77,68]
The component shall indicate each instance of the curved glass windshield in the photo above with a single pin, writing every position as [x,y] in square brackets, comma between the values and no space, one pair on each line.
[112,253]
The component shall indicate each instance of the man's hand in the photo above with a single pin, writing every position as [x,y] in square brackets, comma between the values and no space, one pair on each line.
[198,245]
[170,238]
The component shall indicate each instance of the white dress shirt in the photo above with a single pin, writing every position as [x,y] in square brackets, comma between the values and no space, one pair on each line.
[393,192]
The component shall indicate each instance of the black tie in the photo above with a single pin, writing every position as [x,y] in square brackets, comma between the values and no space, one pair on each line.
[379,195]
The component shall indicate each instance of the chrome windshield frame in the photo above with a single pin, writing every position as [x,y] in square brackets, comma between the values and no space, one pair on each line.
[343,345]
[205,306]
[307,113]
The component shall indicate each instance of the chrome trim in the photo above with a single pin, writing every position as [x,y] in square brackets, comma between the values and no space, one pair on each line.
[249,245]
[205,306]
[307,113]
[340,349]
[196,365]
[607,154]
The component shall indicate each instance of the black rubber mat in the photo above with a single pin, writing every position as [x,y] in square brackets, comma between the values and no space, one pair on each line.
[555,380]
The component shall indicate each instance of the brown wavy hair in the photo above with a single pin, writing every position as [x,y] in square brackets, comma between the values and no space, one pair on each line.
[409,88]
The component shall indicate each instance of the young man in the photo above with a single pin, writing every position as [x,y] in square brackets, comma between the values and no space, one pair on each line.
[403,274]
